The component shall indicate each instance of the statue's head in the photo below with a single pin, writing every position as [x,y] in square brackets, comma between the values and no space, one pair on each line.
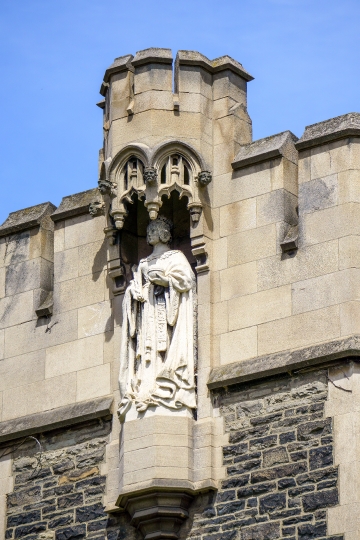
[159,230]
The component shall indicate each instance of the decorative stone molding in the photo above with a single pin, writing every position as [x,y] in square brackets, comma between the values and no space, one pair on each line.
[158,514]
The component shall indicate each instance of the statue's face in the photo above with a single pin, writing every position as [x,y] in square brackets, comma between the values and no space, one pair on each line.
[153,234]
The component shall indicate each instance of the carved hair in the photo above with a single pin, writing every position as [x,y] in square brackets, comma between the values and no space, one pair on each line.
[164,228]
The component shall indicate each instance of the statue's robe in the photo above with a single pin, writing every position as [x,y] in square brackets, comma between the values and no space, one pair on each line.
[157,362]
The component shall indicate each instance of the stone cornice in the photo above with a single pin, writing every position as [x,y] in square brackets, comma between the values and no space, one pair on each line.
[56,418]
[284,362]
[340,127]
[279,145]
[77,204]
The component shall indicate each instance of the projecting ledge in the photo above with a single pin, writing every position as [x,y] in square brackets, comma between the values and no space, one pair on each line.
[160,508]
[284,362]
[56,418]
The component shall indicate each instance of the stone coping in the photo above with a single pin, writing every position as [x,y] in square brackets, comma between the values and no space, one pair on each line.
[25,219]
[122,63]
[153,54]
[283,362]
[77,204]
[279,145]
[340,127]
[56,418]
[194,58]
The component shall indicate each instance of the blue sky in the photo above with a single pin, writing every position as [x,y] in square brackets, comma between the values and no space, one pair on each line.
[304,55]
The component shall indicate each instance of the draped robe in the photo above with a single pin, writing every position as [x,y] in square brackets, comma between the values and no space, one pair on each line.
[157,361]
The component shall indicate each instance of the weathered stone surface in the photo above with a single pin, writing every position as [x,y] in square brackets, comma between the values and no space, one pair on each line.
[273,364]
[62,417]
[347,125]
[272,147]
[75,205]
[26,219]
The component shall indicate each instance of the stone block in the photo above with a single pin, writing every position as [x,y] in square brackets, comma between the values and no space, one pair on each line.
[158,424]
[195,80]
[95,319]
[204,319]
[276,206]
[220,318]
[154,100]
[260,307]
[349,252]
[153,77]
[348,186]
[219,254]
[237,217]
[15,248]
[20,370]
[284,175]
[344,519]
[39,396]
[28,275]
[74,356]
[2,281]
[299,330]
[190,102]
[2,344]
[238,280]
[252,245]
[331,223]
[59,236]
[82,230]
[242,184]
[5,466]
[32,336]
[79,292]
[223,155]
[166,473]
[228,84]
[350,318]
[309,262]
[238,345]
[66,265]
[16,309]
[327,290]
[158,457]
[318,194]
[92,257]
[221,107]
[93,382]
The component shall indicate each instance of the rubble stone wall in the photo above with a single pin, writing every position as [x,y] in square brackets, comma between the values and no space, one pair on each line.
[281,477]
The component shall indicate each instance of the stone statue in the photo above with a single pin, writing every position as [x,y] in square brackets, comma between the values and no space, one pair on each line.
[157,360]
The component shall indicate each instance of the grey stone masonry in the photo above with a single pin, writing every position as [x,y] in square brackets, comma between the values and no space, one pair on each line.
[280,468]
[58,492]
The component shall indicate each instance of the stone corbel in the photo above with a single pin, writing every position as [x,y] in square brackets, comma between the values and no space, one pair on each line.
[195,209]
[116,272]
[153,208]
[201,256]
[290,242]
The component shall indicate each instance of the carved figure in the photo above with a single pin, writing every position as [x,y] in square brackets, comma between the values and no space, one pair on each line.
[105,186]
[150,175]
[157,361]
[204,178]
